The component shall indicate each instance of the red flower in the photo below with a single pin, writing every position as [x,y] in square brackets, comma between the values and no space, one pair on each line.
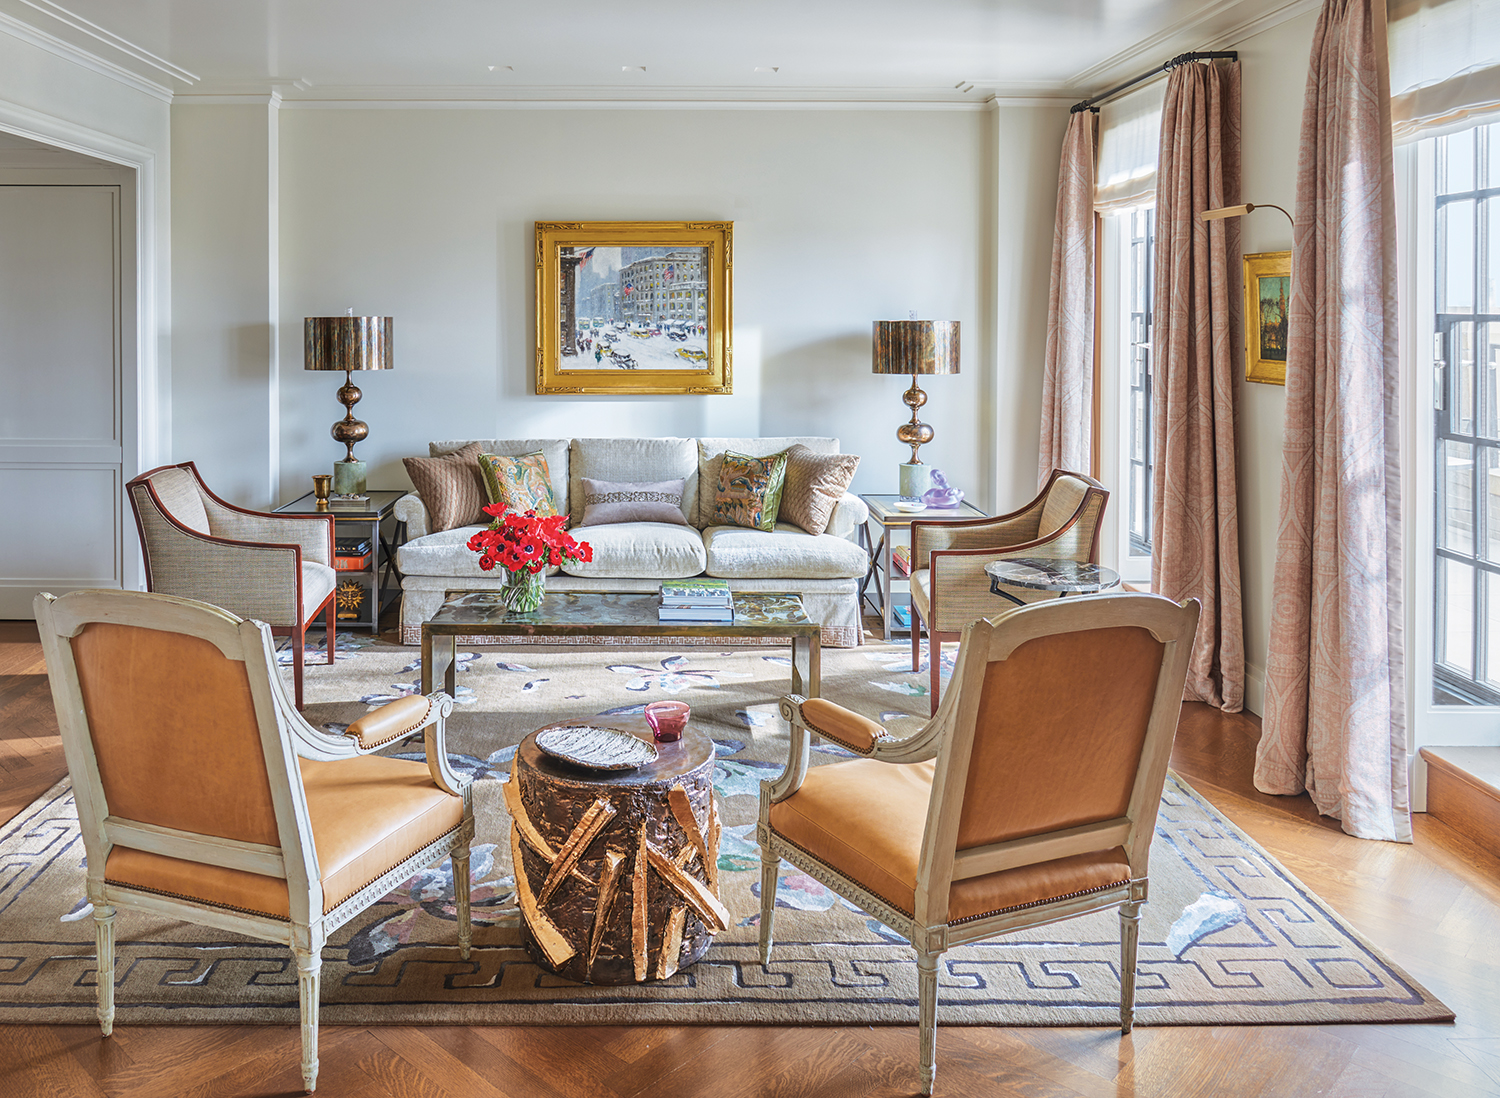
[526,542]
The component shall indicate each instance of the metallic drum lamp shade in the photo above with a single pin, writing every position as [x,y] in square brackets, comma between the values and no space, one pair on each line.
[347,343]
[915,347]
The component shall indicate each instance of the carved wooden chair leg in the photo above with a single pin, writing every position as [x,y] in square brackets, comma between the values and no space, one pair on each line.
[1130,926]
[329,629]
[927,1018]
[309,963]
[770,865]
[461,892]
[104,937]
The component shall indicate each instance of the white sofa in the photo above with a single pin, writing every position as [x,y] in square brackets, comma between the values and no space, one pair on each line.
[825,569]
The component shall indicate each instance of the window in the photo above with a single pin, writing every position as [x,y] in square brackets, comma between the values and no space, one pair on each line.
[1465,200]
[1137,380]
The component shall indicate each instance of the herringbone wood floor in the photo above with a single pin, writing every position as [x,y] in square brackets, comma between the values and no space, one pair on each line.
[1433,906]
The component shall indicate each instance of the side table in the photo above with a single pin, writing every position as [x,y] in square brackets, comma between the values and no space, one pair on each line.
[1066,577]
[381,581]
[617,871]
[893,524]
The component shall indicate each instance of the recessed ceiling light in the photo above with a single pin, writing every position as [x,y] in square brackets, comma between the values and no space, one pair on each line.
[502,68]
[770,68]
[632,68]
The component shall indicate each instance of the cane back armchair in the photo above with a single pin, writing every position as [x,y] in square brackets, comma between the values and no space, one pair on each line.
[203,795]
[274,568]
[949,587]
[1031,797]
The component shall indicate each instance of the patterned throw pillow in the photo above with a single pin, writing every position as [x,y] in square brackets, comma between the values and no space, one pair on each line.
[450,487]
[606,502]
[814,485]
[521,483]
[749,492]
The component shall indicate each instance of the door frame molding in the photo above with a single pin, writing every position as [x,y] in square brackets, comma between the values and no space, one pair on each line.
[145,415]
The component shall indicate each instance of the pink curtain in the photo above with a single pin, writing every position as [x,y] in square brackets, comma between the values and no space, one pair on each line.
[1335,720]
[1195,532]
[1068,385]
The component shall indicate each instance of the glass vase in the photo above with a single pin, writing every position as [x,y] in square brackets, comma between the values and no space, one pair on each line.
[522,592]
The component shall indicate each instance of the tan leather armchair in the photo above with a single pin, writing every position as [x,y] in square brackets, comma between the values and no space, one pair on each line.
[949,587]
[203,795]
[1031,797]
[274,568]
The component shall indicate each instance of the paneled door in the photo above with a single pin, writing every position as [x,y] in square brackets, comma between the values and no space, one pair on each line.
[61,446]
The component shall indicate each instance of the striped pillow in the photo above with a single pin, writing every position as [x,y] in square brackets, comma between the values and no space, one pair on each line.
[450,488]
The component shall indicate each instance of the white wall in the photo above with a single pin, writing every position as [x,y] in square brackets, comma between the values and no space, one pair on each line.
[1274,77]
[841,218]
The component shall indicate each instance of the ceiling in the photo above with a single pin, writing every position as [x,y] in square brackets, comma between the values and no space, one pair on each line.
[820,50]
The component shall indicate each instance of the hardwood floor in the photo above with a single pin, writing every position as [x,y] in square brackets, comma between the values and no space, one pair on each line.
[1433,906]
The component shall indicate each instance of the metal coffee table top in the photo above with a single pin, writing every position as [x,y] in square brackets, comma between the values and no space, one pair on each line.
[756,613]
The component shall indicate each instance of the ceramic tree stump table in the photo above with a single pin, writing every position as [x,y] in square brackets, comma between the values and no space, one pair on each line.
[617,871]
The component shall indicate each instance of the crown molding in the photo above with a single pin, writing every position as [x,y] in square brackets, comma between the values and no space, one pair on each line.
[488,97]
[1158,47]
[32,36]
[110,39]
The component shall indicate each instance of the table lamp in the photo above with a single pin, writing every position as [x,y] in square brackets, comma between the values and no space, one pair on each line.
[915,347]
[347,343]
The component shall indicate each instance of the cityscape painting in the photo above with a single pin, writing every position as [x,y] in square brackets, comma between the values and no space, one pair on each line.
[633,307]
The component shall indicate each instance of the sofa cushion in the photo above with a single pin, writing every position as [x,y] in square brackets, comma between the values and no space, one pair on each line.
[521,483]
[607,501]
[633,459]
[647,550]
[712,450]
[736,553]
[815,483]
[749,490]
[450,487]
[443,554]
[555,450]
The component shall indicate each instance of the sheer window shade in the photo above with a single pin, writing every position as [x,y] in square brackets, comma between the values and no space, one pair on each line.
[1445,64]
[1129,139]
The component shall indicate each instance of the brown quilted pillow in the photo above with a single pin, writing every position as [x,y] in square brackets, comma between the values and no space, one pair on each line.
[451,487]
[814,485]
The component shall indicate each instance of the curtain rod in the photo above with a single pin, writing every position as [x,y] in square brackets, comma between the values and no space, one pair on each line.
[1180,59]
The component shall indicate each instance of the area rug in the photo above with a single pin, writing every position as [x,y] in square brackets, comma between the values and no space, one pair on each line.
[1229,936]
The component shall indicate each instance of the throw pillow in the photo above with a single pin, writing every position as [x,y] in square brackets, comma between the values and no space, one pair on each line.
[749,492]
[450,488]
[606,502]
[521,483]
[814,485]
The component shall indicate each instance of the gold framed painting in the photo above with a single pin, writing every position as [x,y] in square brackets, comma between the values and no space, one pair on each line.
[632,307]
[1268,297]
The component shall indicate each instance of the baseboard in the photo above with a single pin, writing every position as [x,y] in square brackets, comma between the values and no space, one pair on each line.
[1255,690]
[1463,790]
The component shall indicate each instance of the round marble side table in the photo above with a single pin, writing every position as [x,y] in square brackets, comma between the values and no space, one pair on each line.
[1067,577]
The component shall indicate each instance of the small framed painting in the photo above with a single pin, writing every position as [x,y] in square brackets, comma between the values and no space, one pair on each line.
[1268,298]
[633,307]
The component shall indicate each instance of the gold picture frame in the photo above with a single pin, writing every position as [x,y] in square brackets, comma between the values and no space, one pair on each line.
[1268,295]
[634,307]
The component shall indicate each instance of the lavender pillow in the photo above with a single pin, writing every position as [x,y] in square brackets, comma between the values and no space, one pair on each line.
[606,502]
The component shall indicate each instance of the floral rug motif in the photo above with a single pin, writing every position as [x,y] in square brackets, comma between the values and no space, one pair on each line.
[1229,937]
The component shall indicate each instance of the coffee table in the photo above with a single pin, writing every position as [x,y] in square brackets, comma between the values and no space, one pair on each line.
[758,614]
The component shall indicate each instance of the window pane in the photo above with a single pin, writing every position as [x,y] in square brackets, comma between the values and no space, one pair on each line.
[1487,365]
[1457,521]
[1461,372]
[1490,254]
[1492,143]
[1456,614]
[1492,629]
[1458,174]
[1455,232]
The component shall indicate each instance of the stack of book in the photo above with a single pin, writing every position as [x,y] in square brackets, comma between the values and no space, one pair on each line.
[696,600]
[901,558]
[351,554]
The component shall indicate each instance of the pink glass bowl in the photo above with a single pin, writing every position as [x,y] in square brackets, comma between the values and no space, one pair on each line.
[667,720]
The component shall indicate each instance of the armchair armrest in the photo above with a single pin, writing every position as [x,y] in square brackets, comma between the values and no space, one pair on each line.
[250,579]
[849,514]
[848,729]
[382,727]
[391,722]
[411,510]
[313,534]
[928,535]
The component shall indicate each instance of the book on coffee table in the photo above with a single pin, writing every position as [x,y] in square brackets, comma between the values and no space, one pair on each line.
[699,591]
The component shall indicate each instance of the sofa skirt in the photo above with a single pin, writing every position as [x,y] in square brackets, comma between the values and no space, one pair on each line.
[833,603]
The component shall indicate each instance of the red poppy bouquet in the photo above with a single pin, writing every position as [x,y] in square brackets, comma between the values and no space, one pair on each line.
[526,542]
